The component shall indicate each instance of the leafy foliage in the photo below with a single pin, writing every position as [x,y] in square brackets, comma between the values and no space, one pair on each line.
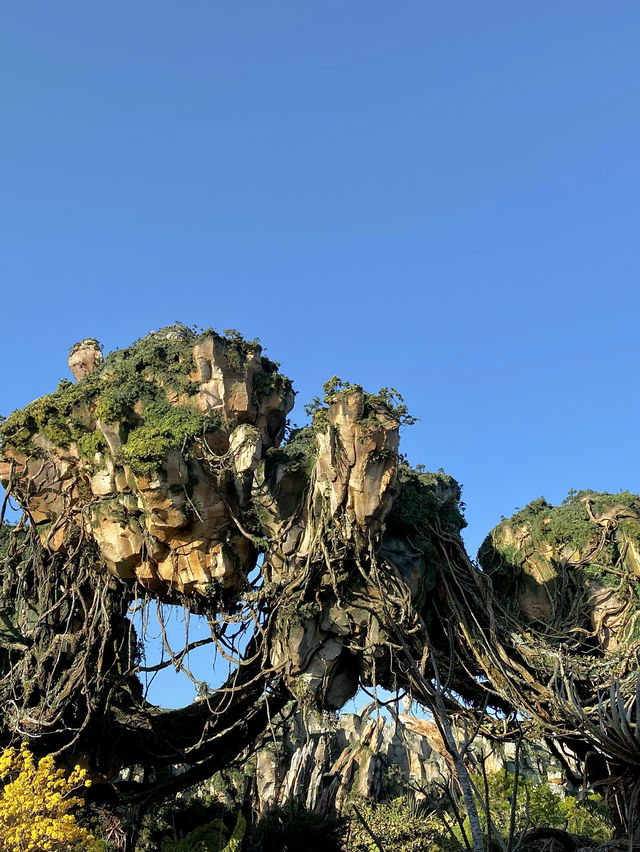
[210,837]
[196,816]
[426,502]
[270,382]
[37,804]
[398,826]
[298,454]
[537,805]
[409,826]
[295,827]
[387,401]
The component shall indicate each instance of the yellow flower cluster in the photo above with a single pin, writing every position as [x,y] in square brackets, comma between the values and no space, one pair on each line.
[36,804]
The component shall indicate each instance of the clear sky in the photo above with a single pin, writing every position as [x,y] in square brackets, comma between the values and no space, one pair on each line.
[438,196]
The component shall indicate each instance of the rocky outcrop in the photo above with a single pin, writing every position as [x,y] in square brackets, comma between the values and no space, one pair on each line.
[167,457]
[357,461]
[349,492]
[575,563]
[152,454]
[85,357]
[376,756]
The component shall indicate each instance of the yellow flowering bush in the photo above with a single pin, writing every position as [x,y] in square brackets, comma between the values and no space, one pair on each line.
[36,805]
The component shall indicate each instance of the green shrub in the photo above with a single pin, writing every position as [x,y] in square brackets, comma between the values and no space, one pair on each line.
[537,805]
[211,837]
[176,818]
[293,827]
[399,826]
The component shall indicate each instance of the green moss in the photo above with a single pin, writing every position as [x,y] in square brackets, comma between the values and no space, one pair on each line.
[269,382]
[425,501]
[91,443]
[387,401]
[297,614]
[42,416]
[165,428]
[565,528]
[136,390]
[298,454]
[570,553]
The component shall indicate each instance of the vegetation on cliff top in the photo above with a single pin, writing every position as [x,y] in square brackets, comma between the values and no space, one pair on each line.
[387,401]
[145,392]
[572,531]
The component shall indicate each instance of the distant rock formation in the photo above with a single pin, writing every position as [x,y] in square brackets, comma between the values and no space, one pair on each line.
[375,756]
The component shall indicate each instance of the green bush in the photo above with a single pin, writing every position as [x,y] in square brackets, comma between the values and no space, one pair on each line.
[211,837]
[176,819]
[537,805]
[293,827]
[399,826]
[404,826]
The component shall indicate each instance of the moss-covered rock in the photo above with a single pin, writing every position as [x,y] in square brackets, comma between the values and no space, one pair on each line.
[572,570]
[143,453]
[427,506]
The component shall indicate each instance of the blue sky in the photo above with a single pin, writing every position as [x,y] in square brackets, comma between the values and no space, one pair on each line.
[442,197]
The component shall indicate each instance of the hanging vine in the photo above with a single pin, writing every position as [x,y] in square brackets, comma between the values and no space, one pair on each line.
[319,564]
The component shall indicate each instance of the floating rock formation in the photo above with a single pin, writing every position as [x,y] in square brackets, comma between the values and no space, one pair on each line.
[151,454]
[571,571]
[167,457]
[321,562]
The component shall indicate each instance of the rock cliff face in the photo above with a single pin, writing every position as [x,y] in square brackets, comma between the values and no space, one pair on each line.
[151,454]
[328,765]
[167,456]
[570,570]
[320,527]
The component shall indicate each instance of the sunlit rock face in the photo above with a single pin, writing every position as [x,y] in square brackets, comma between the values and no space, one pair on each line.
[85,357]
[321,520]
[168,456]
[152,454]
[341,511]
[570,572]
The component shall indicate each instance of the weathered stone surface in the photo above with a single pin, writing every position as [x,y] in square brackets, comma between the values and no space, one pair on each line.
[570,559]
[326,764]
[174,527]
[85,357]
[357,461]
[121,546]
